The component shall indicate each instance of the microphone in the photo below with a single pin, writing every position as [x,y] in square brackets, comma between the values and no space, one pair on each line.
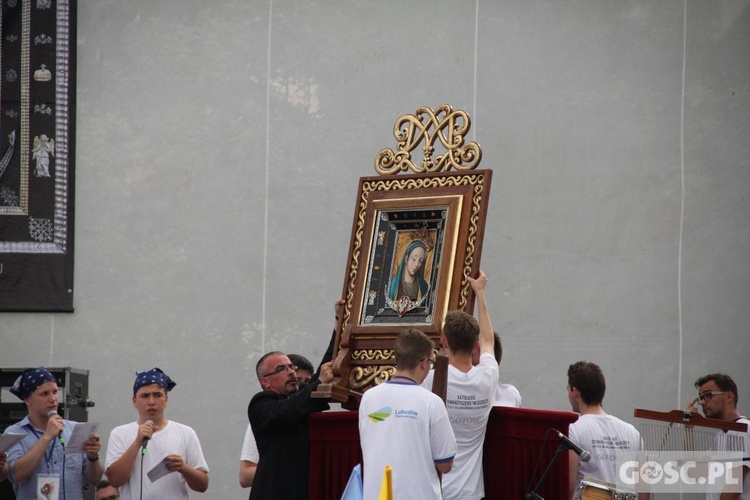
[53,413]
[585,455]
[144,443]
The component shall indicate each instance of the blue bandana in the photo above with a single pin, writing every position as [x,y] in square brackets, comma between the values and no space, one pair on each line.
[153,376]
[29,380]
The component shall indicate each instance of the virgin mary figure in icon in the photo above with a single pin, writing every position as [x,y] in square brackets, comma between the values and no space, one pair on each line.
[408,288]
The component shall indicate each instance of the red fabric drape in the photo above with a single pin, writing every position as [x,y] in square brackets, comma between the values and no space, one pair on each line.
[515,438]
[512,446]
[334,451]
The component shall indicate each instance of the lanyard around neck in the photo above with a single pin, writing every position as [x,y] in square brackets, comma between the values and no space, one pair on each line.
[411,380]
[47,454]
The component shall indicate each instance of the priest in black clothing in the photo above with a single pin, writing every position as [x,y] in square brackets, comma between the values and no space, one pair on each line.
[278,416]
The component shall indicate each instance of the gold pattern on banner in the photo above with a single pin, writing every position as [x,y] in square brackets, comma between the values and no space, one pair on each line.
[444,125]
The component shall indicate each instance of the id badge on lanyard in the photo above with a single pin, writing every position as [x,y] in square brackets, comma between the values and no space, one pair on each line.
[48,487]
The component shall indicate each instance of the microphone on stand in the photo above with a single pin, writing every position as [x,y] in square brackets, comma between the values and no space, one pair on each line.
[53,413]
[583,454]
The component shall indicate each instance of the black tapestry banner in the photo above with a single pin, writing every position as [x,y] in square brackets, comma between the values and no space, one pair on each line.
[37,139]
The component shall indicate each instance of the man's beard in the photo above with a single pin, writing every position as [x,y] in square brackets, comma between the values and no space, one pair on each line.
[293,389]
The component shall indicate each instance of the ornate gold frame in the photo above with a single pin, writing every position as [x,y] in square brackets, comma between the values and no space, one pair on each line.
[363,354]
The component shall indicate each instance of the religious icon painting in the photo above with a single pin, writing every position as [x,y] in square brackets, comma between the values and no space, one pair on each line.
[413,244]
[403,266]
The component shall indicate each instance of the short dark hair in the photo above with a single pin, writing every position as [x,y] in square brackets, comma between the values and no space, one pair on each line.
[103,484]
[411,347]
[588,378]
[722,381]
[461,330]
[498,348]
[301,362]
[261,360]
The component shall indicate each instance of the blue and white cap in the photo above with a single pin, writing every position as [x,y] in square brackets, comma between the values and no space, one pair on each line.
[153,376]
[29,380]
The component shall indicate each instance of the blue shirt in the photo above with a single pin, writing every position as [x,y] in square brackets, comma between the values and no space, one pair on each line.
[51,463]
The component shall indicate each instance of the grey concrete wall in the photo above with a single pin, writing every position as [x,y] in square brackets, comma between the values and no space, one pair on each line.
[219,145]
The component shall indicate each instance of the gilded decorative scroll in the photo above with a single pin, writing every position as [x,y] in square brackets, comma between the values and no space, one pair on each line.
[372,354]
[363,377]
[444,126]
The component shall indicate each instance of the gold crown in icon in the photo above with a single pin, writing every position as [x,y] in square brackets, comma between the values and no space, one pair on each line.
[423,234]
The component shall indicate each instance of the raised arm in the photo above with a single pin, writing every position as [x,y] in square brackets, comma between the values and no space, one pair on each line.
[486,333]
[338,307]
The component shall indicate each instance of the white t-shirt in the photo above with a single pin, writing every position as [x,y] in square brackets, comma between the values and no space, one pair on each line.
[602,435]
[507,395]
[174,438]
[468,399]
[249,447]
[405,426]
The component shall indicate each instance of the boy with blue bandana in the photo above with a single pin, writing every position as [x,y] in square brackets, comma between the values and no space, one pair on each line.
[37,462]
[136,448]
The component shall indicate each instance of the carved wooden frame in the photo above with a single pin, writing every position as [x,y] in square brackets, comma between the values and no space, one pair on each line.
[363,349]
[446,209]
